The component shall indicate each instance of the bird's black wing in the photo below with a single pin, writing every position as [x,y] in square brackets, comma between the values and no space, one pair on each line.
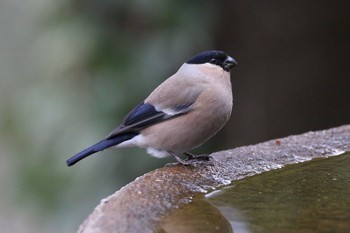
[144,115]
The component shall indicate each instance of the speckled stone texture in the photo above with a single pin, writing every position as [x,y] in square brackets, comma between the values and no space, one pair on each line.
[141,205]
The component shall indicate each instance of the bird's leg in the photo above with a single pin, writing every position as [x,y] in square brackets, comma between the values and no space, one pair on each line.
[191,159]
[178,158]
[203,157]
[189,155]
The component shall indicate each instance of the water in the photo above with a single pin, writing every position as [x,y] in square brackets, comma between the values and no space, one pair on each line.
[308,197]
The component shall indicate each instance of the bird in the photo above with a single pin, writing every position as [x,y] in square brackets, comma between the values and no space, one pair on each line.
[182,113]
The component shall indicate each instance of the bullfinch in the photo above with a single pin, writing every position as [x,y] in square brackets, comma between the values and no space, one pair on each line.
[180,114]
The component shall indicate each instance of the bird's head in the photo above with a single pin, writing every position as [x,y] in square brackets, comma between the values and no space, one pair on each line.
[214,57]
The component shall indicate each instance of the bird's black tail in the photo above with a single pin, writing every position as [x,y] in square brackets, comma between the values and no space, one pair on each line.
[100,146]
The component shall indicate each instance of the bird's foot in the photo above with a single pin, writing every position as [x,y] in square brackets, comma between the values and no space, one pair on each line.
[178,159]
[191,160]
[203,157]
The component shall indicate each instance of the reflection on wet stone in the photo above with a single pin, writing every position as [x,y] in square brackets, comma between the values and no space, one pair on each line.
[309,197]
[200,216]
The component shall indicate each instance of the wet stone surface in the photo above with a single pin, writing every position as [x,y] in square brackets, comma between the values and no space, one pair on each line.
[144,204]
[306,197]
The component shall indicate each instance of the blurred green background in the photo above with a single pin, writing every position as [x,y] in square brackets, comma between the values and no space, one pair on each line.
[70,71]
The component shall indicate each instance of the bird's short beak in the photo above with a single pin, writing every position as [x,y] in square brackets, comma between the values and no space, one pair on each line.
[229,63]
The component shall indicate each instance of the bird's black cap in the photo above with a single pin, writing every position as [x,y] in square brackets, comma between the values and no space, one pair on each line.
[215,57]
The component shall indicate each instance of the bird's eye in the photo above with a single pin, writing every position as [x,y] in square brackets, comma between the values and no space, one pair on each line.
[213,61]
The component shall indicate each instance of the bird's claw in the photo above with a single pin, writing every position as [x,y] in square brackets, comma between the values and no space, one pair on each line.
[203,157]
[192,160]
